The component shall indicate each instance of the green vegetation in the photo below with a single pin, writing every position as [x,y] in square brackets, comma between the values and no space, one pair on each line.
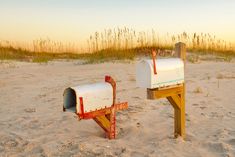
[43,57]
[116,44]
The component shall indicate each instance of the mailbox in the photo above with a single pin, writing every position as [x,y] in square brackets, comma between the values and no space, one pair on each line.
[169,71]
[94,97]
[95,101]
[164,78]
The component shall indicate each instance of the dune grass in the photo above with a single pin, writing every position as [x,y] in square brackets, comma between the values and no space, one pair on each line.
[43,57]
[115,44]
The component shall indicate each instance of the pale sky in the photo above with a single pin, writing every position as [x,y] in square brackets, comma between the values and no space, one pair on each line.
[75,20]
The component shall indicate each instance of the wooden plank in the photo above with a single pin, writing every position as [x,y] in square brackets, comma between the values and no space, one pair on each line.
[163,93]
[103,122]
[173,103]
[177,101]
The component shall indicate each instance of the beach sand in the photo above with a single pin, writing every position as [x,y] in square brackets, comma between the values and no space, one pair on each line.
[32,122]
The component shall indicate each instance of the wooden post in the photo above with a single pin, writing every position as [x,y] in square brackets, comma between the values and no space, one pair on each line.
[180,50]
[176,97]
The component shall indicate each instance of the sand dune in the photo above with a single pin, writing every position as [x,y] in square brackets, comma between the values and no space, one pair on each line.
[32,122]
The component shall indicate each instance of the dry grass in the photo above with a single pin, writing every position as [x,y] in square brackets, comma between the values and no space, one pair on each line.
[43,57]
[118,43]
[125,39]
[193,59]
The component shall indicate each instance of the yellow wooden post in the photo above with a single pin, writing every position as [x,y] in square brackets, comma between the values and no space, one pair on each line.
[176,97]
[178,102]
[180,49]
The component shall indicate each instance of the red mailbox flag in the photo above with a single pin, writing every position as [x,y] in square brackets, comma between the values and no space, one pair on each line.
[154,55]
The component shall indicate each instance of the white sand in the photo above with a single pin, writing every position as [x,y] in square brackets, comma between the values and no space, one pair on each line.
[32,122]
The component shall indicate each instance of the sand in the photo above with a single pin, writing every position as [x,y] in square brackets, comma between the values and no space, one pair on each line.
[32,122]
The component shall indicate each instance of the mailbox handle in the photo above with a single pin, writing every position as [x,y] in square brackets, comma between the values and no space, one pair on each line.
[154,55]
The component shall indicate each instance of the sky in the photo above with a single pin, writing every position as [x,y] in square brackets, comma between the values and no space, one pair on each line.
[75,20]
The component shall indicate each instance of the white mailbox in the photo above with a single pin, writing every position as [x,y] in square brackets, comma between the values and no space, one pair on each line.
[94,97]
[95,101]
[170,71]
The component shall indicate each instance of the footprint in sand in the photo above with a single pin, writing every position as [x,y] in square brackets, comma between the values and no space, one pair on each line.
[119,151]
[217,99]
[195,104]
[12,142]
[138,154]
[33,124]
[135,109]
[30,110]
[230,115]
[51,100]
[36,151]
[232,142]
[215,115]
[26,76]
[132,79]
[42,95]
[120,132]
[136,97]
[218,148]
[69,147]
[138,124]
[202,107]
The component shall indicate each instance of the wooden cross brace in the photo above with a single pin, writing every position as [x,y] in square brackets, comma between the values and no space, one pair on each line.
[176,97]
[106,118]
[108,121]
